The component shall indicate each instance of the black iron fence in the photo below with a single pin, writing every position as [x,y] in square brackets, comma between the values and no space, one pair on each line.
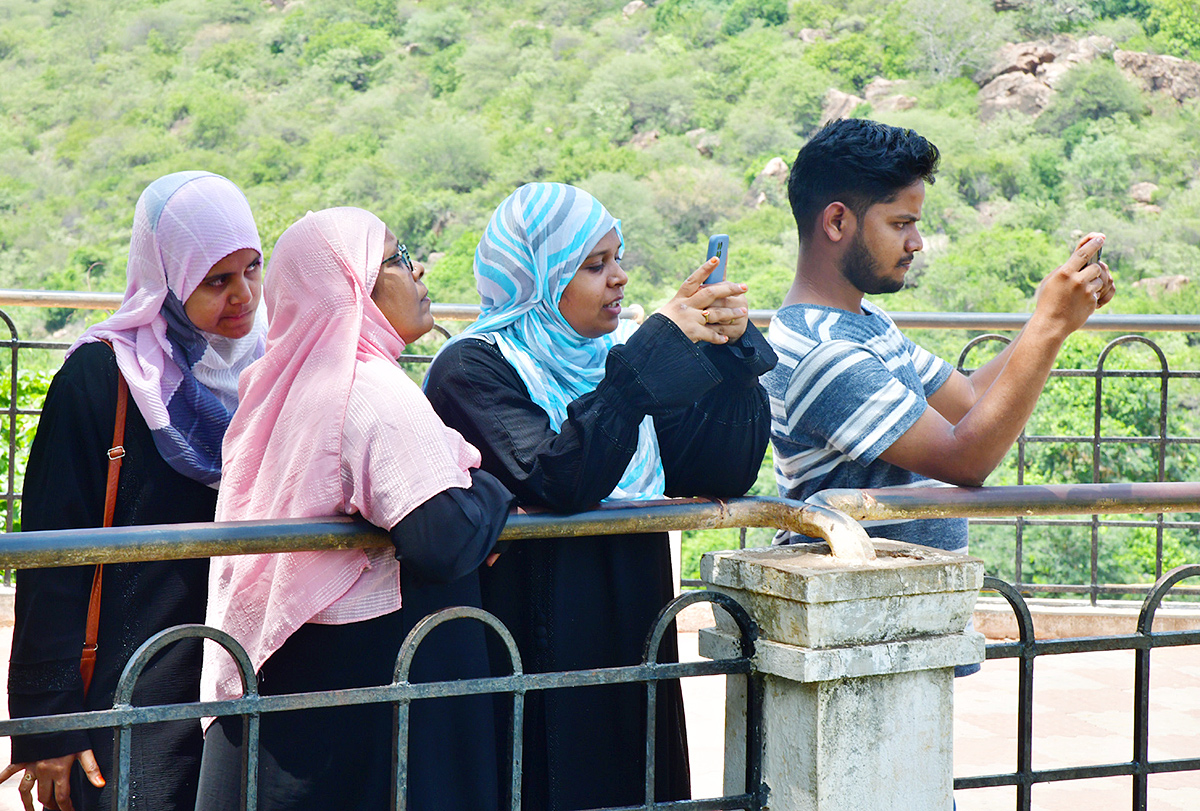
[1027,648]
[122,544]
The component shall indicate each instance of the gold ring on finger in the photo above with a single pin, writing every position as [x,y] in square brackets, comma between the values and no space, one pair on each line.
[28,778]
[705,314]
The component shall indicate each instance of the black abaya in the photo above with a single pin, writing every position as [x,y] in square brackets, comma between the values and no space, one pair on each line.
[588,602]
[341,757]
[64,489]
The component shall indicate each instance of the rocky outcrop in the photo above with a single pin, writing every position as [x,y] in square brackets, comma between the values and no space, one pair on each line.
[884,95]
[1143,192]
[776,170]
[633,7]
[1025,74]
[644,140]
[1020,92]
[839,105]
[1161,284]
[769,185]
[1142,195]
[1177,78]
[703,141]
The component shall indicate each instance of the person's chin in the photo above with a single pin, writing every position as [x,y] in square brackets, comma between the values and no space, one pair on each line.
[233,332]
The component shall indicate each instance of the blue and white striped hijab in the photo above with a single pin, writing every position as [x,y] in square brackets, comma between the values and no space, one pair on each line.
[533,246]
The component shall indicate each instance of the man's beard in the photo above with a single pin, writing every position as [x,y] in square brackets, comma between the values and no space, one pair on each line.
[862,270]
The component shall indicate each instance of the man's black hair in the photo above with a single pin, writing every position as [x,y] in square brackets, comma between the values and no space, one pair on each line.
[859,163]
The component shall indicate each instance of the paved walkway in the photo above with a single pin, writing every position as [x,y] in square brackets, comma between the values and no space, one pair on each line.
[1083,716]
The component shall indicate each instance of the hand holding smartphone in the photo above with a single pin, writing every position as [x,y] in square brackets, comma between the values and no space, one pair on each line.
[718,246]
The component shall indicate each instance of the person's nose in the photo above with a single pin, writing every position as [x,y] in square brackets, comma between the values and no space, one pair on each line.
[914,242]
[239,291]
[418,270]
[619,278]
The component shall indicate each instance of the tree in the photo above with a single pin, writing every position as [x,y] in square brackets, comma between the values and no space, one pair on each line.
[743,13]
[1091,92]
[1177,24]
[954,39]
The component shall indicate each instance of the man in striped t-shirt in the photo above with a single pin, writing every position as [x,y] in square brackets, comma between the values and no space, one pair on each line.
[853,402]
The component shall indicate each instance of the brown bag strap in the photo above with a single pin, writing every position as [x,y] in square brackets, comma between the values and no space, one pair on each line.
[87,658]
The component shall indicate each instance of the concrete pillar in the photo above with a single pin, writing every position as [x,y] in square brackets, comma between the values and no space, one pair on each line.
[858,664]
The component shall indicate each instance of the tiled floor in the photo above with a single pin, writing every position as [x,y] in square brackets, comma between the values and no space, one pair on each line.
[1083,716]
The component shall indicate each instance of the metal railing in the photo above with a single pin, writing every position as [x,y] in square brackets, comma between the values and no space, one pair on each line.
[124,544]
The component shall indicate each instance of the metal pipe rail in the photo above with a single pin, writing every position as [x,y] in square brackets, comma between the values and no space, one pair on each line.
[85,300]
[1021,500]
[81,300]
[75,547]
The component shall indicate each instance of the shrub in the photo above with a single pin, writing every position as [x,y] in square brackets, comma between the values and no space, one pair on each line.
[1091,92]
[743,13]
[1176,23]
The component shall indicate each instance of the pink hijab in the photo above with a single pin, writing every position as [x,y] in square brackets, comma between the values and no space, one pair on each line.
[284,452]
[184,381]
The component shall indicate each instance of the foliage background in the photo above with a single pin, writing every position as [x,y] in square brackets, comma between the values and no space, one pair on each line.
[430,113]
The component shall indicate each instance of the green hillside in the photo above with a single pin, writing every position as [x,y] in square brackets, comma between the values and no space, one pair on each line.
[430,113]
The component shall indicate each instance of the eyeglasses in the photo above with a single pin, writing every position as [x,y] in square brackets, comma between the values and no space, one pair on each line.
[401,256]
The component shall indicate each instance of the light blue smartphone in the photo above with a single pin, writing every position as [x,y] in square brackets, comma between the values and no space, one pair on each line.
[718,246]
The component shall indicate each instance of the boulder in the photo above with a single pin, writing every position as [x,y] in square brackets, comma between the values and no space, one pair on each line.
[810,35]
[633,7]
[1143,192]
[1178,78]
[884,95]
[776,169]
[1162,284]
[644,140]
[1022,92]
[839,105]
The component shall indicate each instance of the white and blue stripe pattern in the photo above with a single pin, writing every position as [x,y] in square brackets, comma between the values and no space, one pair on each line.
[532,248]
[847,386]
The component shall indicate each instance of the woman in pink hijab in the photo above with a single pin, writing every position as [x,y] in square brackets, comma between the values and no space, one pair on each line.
[329,424]
[189,323]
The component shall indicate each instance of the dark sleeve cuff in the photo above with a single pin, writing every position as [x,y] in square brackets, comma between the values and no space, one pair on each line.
[26,704]
[452,533]
[660,367]
[743,361]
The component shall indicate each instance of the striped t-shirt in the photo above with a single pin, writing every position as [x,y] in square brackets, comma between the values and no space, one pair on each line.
[846,387]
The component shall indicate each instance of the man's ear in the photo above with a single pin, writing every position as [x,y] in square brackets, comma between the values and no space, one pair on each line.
[837,222]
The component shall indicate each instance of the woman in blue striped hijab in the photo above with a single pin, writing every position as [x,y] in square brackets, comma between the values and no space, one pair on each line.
[531,252]
[571,405]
